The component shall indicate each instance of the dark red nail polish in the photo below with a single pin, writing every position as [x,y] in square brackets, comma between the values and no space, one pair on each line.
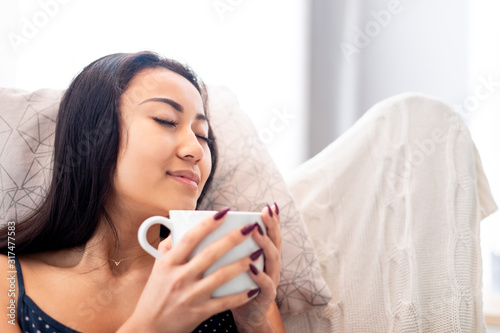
[260,229]
[254,256]
[254,269]
[248,229]
[277,208]
[270,211]
[220,214]
[253,292]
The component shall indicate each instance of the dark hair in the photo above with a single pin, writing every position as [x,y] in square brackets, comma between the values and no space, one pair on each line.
[85,153]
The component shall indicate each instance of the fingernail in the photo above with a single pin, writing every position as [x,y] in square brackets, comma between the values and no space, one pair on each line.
[254,256]
[254,269]
[248,228]
[260,229]
[270,211]
[277,208]
[253,292]
[220,214]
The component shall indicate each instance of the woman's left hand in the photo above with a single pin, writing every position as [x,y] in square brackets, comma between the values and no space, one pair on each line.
[252,316]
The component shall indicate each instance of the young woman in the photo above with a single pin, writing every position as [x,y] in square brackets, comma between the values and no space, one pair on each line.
[149,149]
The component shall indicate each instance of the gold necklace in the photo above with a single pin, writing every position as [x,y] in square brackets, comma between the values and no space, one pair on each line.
[117,262]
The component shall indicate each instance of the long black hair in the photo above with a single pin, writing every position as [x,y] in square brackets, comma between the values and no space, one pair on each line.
[86,146]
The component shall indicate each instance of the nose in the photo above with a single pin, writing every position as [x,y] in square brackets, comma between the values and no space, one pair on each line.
[189,147]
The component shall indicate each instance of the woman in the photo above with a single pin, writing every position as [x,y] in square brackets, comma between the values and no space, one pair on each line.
[133,140]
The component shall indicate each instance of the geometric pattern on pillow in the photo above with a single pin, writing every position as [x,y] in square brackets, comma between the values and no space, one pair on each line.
[246,179]
[27,123]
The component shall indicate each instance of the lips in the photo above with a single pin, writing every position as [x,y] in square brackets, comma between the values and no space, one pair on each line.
[185,176]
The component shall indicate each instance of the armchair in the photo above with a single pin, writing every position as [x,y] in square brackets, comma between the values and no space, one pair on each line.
[380,229]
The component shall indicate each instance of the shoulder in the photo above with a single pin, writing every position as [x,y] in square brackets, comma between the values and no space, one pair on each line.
[9,292]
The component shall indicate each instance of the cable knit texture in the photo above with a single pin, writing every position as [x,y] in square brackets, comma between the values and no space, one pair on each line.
[393,207]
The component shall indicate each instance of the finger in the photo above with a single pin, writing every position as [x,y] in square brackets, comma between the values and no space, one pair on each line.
[224,274]
[272,255]
[190,240]
[265,283]
[232,301]
[276,210]
[272,224]
[213,252]
[273,211]
[165,245]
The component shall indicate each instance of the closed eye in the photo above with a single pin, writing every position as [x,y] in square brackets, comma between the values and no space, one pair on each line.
[166,122]
[204,138]
[174,124]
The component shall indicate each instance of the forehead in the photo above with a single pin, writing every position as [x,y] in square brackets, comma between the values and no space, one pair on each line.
[161,82]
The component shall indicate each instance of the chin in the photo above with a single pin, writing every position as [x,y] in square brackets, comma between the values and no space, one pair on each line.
[190,206]
[182,205]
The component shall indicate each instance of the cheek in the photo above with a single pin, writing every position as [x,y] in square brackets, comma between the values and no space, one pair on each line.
[135,161]
[128,177]
[139,165]
[205,168]
[144,147]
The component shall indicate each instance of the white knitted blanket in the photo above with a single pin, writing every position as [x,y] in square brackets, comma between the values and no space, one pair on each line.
[393,207]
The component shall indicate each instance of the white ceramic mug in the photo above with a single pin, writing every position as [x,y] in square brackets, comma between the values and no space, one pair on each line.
[181,221]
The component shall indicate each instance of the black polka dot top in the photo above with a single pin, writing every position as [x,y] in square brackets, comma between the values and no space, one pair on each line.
[32,319]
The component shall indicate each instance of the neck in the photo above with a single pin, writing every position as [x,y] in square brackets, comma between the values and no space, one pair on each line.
[119,250]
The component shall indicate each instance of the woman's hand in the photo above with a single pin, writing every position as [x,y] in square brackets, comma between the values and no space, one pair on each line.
[177,298]
[252,316]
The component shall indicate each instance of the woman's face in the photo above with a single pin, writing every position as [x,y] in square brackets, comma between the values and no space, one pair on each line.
[164,159]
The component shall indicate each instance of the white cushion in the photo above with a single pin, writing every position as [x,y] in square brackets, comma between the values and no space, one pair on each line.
[393,207]
[246,179]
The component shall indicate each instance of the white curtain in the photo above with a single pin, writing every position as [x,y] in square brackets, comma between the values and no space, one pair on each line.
[364,51]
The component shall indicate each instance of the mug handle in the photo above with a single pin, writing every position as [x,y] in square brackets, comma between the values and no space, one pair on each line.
[143,231]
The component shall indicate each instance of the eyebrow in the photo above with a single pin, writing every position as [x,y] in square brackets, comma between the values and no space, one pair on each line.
[173,104]
[168,101]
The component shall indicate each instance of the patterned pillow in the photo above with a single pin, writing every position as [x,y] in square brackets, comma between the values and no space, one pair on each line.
[27,123]
[246,179]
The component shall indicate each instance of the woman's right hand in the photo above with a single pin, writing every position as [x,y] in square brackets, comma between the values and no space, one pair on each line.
[176,297]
